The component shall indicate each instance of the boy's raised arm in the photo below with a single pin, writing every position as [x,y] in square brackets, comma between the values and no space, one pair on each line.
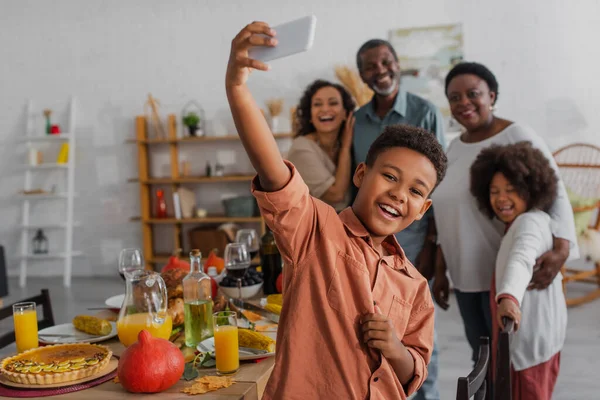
[251,125]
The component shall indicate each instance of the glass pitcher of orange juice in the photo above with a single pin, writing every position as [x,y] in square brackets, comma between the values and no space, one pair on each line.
[144,307]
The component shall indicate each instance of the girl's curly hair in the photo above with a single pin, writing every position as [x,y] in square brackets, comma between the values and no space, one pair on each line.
[525,167]
[303,124]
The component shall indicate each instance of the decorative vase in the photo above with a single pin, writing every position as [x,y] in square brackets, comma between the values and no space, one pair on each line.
[192,130]
[275,124]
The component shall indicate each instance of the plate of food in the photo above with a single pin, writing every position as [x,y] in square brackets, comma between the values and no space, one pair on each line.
[83,329]
[253,345]
[115,302]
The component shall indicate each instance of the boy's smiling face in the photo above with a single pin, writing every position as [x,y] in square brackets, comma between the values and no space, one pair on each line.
[394,191]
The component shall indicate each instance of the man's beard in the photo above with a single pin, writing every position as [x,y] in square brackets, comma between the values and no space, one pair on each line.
[388,91]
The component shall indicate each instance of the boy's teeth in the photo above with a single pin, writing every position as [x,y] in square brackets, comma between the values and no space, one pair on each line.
[389,209]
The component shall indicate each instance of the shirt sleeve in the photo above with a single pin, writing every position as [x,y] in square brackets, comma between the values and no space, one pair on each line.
[527,243]
[311,168]
[418,337]
[295,217]
[561,211]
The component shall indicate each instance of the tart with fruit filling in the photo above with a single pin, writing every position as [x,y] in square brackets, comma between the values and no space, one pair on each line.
[56,364]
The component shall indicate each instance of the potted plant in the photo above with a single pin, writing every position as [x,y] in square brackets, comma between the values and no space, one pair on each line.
[191,120]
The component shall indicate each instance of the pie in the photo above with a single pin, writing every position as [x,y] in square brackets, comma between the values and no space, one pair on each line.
[56,364]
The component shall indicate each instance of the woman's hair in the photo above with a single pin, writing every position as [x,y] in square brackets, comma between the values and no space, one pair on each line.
[473,68]
[303,124]
[526,168]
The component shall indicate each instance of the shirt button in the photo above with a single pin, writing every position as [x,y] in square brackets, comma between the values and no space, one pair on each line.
[376,379]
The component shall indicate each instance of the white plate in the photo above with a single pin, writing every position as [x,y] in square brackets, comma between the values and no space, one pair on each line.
[72,335]
[115,301]
[210,345]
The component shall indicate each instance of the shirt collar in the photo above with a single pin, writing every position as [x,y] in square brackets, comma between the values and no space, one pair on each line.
[399,105]
[396,259]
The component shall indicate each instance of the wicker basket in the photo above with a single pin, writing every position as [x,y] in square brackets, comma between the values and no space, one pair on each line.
[241,207]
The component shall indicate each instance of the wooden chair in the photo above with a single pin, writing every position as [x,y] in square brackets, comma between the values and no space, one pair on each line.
[43,300]
[475,384]
[579,166]
[502,384]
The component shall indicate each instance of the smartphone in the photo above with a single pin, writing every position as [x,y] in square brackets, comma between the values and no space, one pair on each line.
[292,37]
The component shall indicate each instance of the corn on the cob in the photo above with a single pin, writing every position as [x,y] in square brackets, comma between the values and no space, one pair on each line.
[255,340]
[92,325]
[274,308]
[275,299]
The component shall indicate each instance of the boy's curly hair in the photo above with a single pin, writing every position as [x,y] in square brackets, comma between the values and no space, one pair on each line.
[525,167]
[413,138]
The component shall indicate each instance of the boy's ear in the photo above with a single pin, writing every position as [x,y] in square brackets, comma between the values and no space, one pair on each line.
[359,174]
[424,209]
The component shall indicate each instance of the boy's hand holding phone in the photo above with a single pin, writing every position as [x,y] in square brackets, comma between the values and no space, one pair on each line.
[240,65]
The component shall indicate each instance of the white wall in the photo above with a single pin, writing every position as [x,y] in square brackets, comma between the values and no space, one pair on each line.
[111,54]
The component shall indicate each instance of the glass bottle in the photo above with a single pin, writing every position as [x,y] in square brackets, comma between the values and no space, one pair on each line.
[197,302]
[144,307]
[271,262]
[161,205]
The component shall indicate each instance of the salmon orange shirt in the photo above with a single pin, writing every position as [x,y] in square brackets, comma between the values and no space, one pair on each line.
[332,277]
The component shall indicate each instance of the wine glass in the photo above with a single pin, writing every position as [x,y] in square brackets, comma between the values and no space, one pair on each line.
[250,239]
[130,260]
[237,261]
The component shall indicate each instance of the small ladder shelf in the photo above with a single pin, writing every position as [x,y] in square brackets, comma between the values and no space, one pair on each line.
[66,197]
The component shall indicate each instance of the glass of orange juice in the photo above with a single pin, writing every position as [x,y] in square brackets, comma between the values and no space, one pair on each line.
[26,326]
[227,351]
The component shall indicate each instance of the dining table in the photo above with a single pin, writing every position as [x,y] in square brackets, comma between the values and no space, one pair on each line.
[250,379]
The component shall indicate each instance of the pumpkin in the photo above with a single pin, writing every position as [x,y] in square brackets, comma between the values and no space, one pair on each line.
[150,365]
[175,262]
[214,261]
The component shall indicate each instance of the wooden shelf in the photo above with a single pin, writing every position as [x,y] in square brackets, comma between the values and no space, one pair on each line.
[194,179]
[174,179]
[201,139]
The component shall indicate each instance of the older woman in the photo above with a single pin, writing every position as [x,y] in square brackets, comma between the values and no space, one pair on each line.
[469,241]
[321,151]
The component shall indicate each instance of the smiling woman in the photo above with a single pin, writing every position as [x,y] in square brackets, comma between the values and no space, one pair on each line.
[321,150]
[468,240]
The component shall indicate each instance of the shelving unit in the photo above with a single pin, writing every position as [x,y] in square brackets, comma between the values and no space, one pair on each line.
[145,181]
[67,196]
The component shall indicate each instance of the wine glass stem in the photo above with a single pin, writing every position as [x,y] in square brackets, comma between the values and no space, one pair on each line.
[239,285]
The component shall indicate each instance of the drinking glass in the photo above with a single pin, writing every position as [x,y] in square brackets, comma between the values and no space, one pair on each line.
[250,239]
[130,260]
[227,351]
[26,326]
[237,261]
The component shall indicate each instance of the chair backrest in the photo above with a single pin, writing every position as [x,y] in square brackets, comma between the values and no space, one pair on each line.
[502,384]
[47,320]
[475,384]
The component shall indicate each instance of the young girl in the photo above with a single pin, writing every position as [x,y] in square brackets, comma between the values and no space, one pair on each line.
[516,184]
